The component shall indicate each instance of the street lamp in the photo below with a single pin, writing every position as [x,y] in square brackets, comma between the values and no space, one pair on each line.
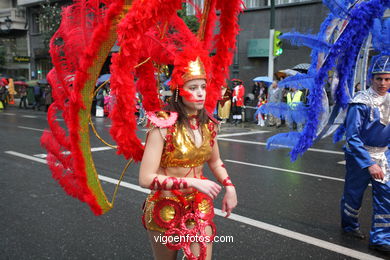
[8,24]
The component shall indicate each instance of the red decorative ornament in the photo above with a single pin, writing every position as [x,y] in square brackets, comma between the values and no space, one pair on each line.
[171,232]
[202,229]
[183,223]
[194,122]
[197,204]
[157,213]
[227,182]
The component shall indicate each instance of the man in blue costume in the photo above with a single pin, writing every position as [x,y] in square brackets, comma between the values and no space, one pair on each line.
[367,157]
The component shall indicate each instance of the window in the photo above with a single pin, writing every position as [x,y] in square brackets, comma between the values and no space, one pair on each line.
[254,3]
[282,2]
[191,10]
[35,23]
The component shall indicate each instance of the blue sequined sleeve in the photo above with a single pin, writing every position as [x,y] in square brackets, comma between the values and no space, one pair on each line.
[356,116]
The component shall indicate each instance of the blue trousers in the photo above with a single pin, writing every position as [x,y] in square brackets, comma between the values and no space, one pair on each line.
[356,182]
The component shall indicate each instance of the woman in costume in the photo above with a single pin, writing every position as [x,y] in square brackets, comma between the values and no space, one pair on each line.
[181,140]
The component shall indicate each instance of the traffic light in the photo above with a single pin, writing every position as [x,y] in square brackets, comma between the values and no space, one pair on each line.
[277,43]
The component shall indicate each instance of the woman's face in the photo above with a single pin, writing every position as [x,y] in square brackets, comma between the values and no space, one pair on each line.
[195,96]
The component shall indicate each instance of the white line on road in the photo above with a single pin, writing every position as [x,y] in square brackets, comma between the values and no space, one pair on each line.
[27,116]
[286,170]
[341,162]
[31,128]
[25,156]
[244,133]
[7,114]
[95,149]
[261,143]
[252,222]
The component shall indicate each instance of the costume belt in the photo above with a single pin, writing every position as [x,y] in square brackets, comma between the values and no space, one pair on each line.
[378,156]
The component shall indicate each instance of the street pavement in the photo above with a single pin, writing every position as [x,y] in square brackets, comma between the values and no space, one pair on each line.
[286,210]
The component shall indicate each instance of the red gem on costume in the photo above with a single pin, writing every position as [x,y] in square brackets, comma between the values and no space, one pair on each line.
[223,165]
[212,142]
[168,138]
[211,126]
[170,148]
[157,213]
[213,134]
[194,125]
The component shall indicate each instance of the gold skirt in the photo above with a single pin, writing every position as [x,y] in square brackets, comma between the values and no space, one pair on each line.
[165,212]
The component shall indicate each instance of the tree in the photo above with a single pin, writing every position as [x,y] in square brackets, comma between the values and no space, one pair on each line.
[190,20]
[49,20]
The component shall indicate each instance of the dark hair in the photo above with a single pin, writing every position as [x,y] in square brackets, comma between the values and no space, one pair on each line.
[179,107]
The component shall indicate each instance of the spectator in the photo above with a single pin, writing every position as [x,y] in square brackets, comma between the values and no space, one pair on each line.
[274,96]
[37,97]
[260,116]
[47,96]
[3,93]
[23,96]
[295,98]
[238,101]
[224,104]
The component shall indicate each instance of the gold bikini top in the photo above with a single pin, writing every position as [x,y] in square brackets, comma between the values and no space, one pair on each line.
[181,151]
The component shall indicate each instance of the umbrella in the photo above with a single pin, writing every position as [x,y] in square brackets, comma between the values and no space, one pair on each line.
[290,72]
[32,83]
[43,82]
[264,79]
[239,80]
[302,67]
[20,83]
[103,78]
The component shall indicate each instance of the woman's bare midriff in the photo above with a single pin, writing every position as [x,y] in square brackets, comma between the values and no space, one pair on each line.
[180,172]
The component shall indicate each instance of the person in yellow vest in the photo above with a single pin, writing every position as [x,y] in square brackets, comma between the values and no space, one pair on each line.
[294,98]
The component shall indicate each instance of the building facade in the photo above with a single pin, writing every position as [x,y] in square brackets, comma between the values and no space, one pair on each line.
[27,55]
[251,59]
[14,52]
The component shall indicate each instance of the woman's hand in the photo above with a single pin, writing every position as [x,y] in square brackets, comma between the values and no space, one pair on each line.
[376,172]
[207,187]
[229,201]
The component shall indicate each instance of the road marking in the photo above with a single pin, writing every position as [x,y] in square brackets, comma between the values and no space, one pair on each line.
[25,156]
[244,133]
[341,162]
[286,170]
[252,222]
[261,143]
[31,128]
[95,149]
[27,116]
[8,114]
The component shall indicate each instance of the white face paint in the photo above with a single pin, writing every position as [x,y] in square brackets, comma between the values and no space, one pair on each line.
[197,89]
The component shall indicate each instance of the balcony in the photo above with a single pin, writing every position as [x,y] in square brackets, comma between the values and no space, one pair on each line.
[13,17]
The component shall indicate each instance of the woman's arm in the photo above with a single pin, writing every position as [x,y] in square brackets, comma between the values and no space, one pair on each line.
[148,177]
[218,168]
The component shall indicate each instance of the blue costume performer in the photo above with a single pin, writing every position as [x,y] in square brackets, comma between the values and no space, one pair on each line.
[367,157]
